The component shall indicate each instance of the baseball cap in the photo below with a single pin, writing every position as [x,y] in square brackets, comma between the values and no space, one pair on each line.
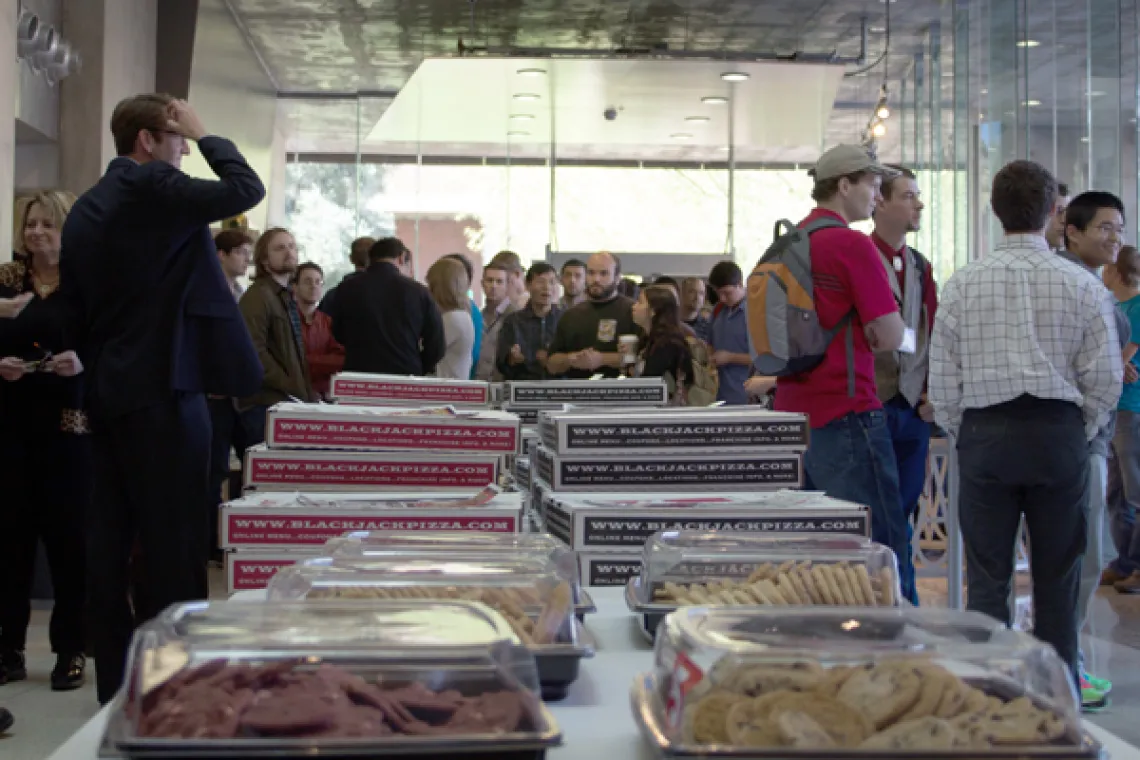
[846,159]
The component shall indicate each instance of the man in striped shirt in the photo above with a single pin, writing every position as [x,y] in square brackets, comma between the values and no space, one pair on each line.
[1025,368]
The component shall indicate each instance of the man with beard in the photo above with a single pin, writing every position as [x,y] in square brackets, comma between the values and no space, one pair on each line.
[274,321]
[900,376]
[692,305]
[586,340]
[573,283]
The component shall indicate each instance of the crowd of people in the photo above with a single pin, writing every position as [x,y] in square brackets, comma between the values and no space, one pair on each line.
[133,361]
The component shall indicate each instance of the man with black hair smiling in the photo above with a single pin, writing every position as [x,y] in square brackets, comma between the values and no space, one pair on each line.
[1025,366]
[1092,234]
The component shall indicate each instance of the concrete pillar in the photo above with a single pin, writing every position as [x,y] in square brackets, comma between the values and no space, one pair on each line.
[9,77]
[117,41]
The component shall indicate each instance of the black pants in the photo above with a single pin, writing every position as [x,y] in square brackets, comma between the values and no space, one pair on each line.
[151,479]
[228,432]
[47,479]
[1026,457]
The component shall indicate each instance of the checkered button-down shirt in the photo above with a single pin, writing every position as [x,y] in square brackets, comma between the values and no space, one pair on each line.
[1024,321]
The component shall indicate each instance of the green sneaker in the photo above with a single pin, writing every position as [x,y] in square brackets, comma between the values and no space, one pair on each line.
[1103,685]
[1092,700]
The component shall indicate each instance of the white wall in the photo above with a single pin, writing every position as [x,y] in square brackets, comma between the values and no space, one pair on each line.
[128,57]
[235,99]
[37,166]
[9,79]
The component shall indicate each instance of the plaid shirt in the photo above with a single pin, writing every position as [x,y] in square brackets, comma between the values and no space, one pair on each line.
[1024,321]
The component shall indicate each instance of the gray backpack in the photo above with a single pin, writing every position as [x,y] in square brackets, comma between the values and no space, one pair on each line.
[784,334]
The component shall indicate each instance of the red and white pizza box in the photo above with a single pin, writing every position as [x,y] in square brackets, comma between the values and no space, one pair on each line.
[402,390]
[251,569]
[282,520]
[378,428]
[269,469]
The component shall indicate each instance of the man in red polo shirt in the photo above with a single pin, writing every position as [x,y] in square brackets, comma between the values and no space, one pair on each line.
[850,456]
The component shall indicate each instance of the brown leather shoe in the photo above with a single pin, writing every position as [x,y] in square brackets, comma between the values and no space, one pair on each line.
[1130,585]
[1110,577]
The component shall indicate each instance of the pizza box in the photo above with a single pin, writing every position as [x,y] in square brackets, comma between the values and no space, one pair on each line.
[636,471]
[281,520]
[529,415]
[252,569]
[673,430]
[642,391]
[269,469]
[606,569]
[616,522]
[403,390]
[379,428]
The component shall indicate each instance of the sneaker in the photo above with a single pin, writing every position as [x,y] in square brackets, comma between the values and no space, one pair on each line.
[68,673]
[1091,699]
[12,666]
[1103,685]
[1130,585]
[6,720]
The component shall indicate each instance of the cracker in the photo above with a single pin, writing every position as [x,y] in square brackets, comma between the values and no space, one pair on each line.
[887,587]
[839,575]
[857,588]
[805,576]
[822,586]
[789,591]
[865,585]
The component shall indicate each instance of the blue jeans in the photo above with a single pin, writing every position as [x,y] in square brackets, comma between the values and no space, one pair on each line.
[910,437]
[852,458]
[1124,492]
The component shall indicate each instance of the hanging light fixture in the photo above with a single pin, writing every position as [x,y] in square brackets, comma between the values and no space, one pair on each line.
[43,48]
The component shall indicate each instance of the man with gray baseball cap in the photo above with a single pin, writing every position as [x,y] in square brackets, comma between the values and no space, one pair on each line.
[850,455]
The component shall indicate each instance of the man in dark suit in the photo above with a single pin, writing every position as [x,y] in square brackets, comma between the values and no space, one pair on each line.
[156,328]
[387,322]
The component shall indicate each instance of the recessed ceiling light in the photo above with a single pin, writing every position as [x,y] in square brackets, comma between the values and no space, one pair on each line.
[734,76]
[696,119]
[517,133]
[532,72]
[528,96]
[877,29]
[1028,43]
[985,92]
[1096,93]
[1084,139]
[522,117]
[714,100]
[680,135]
[1032,103]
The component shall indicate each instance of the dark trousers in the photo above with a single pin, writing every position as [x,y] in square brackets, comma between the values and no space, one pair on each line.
[151,479]
[1123,498]
[851,458]
[253,423]
[1027,457]
[227,431]
[47,480]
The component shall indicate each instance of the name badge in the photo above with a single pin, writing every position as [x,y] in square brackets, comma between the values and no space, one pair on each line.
[909,342]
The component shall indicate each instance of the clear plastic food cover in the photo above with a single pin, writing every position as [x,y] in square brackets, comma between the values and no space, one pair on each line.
[227,679]
[689,567]
[765,681]
[529,593]
[382,543]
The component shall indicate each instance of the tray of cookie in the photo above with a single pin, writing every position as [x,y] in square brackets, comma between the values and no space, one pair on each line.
[529,592]
[378,543]
[408,679]
[790,682]
[704,567]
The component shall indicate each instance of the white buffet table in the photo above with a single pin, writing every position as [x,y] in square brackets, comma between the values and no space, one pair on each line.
[595,718]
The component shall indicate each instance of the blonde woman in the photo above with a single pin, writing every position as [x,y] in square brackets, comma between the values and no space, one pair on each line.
[45,451]
[447,283]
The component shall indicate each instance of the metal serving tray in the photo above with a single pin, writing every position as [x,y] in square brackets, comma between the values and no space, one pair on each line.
[524,745]
[645,702]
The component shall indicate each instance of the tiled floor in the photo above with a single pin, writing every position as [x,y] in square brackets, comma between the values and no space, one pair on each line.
[45,719]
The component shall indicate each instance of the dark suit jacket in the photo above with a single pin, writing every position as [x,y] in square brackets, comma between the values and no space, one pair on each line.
[387,323]
[150,312]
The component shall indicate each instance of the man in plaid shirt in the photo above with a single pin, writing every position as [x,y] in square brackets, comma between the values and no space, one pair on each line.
[1025,368]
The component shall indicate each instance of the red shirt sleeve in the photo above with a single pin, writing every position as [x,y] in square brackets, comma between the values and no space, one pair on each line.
[866,279]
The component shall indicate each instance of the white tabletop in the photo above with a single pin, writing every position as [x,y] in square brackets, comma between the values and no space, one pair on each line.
[595,718]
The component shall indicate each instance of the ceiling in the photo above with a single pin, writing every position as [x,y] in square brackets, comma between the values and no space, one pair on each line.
[317,49]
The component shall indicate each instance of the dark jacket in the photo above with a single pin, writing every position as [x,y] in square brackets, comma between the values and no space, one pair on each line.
[326,304]
[150,311]
[531,333]
[263,306]
[387,323]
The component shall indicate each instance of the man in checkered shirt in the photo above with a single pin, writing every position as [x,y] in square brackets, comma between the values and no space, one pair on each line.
[1025,367]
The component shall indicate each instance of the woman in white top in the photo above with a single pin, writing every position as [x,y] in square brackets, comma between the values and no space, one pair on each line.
[447,282]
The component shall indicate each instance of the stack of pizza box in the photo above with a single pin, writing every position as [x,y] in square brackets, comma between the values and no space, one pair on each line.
[604,481]
[329,468]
